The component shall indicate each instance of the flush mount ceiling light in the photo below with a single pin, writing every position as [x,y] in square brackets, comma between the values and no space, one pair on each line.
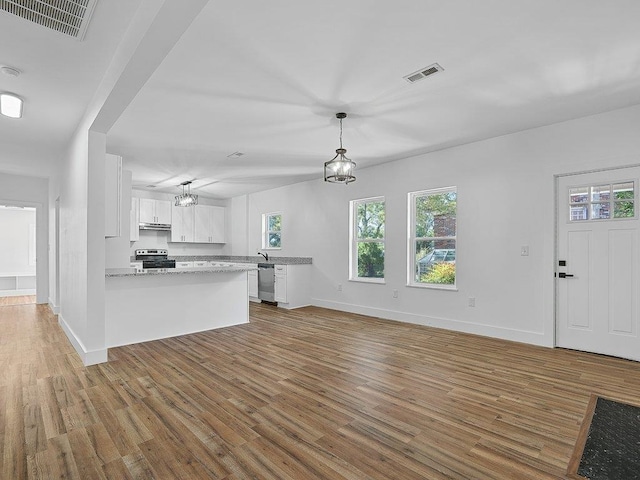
[187,199]
[339,169]
[10,105]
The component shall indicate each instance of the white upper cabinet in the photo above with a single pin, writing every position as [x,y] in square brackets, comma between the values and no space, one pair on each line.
[202,233]
[182,219]
[163,211]
[209,224]
[155,211]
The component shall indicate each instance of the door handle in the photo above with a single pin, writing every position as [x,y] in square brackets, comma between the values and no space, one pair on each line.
[565,275]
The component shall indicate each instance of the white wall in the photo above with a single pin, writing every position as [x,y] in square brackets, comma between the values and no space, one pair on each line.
[117,248]
[79,180]
[15,241]
[505,200]
[31,192]
[238,226]
[71,187]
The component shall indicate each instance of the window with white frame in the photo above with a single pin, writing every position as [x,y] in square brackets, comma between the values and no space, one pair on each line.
[367,240]
[432,238]
[271,231]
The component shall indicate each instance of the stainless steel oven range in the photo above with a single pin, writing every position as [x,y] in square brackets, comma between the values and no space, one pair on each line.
[155,259]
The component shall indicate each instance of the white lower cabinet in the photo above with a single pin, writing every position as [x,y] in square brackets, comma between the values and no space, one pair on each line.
[293,285]
[281,283]
[253,283]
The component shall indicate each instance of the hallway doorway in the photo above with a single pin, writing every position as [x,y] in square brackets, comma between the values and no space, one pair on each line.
[17,254]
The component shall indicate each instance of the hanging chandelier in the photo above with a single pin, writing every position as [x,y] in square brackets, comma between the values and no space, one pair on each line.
[340,168]
[186,199]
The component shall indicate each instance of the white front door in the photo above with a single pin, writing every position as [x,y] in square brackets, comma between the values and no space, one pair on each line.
[598,263]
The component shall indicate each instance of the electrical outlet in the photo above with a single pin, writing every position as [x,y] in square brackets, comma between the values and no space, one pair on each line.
[524,250]
[339,287]
[472,301]
[395,294]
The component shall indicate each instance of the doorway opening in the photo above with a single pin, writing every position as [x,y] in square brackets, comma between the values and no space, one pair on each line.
[17,254]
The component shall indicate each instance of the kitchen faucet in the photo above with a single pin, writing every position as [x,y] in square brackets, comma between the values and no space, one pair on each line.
[265,255]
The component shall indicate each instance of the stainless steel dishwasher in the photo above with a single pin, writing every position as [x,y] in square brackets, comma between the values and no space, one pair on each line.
[266,282]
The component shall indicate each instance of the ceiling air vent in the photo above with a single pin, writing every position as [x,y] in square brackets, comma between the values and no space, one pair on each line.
[70,17]
[423,73]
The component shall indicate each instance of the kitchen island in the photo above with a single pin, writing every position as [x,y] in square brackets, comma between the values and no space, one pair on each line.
[144,305]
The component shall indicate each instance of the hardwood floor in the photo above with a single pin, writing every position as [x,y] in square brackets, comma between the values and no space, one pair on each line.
[302,394]
[17,300]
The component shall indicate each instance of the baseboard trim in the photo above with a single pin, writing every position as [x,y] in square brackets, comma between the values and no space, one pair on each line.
[533,338]
[91,357]
[55,309]
[17,293]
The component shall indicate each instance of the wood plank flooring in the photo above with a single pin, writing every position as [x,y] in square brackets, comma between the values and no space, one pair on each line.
[304,394]
[17,300]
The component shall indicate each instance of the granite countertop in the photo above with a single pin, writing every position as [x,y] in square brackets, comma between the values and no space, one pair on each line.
[132,272]
[260,259]
[240,259]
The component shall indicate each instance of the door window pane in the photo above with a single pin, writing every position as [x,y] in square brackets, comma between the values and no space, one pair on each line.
[600,193]
[579,195]
[599,211]
[602,202]
[623,191]
[578,212]
[623,210]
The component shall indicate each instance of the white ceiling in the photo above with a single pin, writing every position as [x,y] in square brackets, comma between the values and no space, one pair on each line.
[266,79]
[59,77]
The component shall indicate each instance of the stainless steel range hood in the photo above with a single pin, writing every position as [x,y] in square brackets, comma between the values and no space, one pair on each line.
[164,227]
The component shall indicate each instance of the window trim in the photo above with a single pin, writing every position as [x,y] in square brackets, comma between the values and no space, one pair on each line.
[265,232]
[353,240]
[412,239]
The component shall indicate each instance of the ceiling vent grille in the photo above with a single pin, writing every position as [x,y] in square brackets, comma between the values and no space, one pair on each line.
[423,73]
[70,17]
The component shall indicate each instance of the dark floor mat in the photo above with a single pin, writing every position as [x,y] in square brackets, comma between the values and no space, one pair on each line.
[612,447]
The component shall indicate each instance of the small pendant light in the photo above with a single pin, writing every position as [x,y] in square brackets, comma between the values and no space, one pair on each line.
[187,199]
[340,168]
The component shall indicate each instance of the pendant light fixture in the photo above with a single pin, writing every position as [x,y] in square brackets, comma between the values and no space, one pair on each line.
[187,199]
[340,168]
